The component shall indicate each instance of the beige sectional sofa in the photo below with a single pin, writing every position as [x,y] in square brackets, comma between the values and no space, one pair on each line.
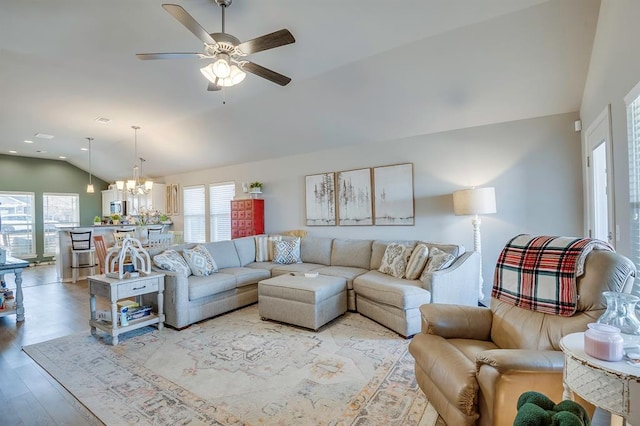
[393,302]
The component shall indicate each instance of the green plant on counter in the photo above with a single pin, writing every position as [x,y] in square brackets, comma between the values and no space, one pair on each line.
[97,219]
[256,185]
[164,218]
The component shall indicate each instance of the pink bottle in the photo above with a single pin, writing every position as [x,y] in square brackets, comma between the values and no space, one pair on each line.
[604,342]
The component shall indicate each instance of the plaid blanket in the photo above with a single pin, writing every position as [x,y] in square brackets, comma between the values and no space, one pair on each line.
[539,273]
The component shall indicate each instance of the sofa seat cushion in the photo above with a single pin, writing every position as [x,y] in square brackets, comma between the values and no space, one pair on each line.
[294,267]
[347,272]
[247,276]
[210,285]
[450,370]
[267,266]
[398,292]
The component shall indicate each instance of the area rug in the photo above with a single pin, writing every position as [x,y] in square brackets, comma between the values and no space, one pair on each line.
[236,369]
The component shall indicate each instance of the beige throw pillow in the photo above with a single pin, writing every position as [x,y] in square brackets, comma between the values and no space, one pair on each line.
[394,260]
[264,247]
[417,261]
[437,260]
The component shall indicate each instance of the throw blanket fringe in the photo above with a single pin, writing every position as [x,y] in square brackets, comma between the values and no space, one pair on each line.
[539,273]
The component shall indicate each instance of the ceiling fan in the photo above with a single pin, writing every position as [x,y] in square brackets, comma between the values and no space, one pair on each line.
[227,53]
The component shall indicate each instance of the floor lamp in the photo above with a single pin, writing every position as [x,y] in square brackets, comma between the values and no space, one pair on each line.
[475,201]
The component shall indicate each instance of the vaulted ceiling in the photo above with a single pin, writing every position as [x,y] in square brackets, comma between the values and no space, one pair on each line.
[363,71]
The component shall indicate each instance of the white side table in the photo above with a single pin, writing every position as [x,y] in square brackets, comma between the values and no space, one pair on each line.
[612,386]
[115,289]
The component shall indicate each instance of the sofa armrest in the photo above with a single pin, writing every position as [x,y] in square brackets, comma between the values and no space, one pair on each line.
[456,321]
[525,360]
[458,284]
[176,298]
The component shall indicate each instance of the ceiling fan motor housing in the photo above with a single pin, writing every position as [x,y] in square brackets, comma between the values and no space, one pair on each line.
[224,3]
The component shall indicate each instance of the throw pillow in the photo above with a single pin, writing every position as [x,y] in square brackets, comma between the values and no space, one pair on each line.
[394,260]
[287,251]
[171,260]
[437,260]
[200,261]
[417,261]
[264,247]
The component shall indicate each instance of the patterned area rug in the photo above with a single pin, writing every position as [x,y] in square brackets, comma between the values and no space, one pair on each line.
[237,369]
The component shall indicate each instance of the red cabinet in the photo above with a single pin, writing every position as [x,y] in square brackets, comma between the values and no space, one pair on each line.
[247,217]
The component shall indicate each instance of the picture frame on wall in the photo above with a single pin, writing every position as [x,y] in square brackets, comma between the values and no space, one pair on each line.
[355,199]
[168,200]
[393,195]
[320,199]
[175,199]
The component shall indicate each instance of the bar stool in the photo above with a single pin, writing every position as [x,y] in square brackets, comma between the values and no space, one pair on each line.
[81,245]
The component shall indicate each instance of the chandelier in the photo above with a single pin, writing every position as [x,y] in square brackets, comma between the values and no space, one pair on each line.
[137,185]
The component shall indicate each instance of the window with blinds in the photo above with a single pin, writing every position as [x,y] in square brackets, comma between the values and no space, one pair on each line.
[220,196]
[58,210]
[17,223]
[632,100]
[193,205]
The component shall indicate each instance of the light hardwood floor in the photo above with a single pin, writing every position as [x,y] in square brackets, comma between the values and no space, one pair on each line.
[30,396]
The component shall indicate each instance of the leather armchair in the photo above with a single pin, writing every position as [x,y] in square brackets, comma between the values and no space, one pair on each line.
[473,363]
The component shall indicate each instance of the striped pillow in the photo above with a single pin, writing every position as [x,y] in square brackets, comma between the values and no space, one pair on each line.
[417,261]
[264,247]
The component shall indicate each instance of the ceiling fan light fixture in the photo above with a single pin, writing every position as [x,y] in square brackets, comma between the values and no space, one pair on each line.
[221,67]
[208,73]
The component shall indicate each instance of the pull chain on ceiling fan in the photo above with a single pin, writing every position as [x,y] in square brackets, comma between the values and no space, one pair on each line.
[227,53]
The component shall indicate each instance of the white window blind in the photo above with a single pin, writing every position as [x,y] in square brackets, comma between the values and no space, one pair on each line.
[17,223]
[632,101]
[193,205]
[220,196]
[58,209]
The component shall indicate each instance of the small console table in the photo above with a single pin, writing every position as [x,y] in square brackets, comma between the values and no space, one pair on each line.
[612,386]
[15,266]
[117,289]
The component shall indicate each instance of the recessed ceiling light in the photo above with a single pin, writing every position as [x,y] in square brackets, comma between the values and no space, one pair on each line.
[28,141]
[103,120]
[84,149]
[44,136]
[41,152]
[62,157]
[13,152]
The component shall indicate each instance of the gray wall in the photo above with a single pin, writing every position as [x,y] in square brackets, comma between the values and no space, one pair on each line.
[534,165]
[40,176]
[613,72]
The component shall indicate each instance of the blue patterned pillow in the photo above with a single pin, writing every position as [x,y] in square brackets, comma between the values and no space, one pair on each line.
[200,261]
[171,260]
[287,251]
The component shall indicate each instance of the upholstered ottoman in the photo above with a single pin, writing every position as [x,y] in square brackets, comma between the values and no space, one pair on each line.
[304,301]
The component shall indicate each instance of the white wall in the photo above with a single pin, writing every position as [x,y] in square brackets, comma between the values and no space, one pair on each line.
[613,72]
[534,165]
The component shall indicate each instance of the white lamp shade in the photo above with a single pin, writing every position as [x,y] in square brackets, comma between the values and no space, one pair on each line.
[90,189]
[120,184]
[474,201]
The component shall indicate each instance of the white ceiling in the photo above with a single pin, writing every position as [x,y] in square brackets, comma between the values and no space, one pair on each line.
[363,71]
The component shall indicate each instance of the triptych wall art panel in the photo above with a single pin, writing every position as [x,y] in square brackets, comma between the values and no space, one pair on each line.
[369,196]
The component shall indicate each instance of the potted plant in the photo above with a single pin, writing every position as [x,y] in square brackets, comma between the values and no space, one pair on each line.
[115,218]
[164,219]
[97,220]
[255,187]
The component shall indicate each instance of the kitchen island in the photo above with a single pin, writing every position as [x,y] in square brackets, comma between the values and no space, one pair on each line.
[63,258]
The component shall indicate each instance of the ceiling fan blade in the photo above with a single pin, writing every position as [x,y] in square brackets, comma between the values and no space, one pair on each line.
[147,56]
[263,72]
[213,87]
[268,41]
[187,20]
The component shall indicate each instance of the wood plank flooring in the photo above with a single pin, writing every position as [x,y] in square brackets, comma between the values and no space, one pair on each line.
[29,395]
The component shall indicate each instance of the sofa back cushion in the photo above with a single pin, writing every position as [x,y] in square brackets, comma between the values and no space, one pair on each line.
[316,250]
[224,253]
[355,253]
[246,248]
[378,248]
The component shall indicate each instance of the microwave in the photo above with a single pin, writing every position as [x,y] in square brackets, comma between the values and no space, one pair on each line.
[118,207]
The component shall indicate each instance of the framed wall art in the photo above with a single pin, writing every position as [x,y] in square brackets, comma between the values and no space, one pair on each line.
[393,189]
[175,198]
[355,201]
[320,199]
